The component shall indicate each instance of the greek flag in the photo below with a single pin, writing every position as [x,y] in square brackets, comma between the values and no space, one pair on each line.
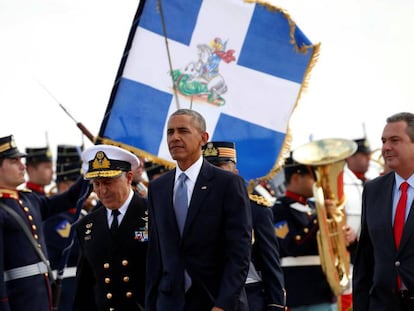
[241,64]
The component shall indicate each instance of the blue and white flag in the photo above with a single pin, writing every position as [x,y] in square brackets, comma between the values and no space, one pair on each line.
[241,64]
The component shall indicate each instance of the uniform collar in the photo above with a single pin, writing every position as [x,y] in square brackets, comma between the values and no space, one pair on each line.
[35,187]
[9,193]
[296,197]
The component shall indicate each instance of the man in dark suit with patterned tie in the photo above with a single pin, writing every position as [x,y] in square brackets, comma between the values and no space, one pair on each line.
[383,278]
[203,264]
[113,238]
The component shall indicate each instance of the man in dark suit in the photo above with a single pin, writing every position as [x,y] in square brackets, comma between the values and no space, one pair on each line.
[264,284]
[197,261]
[383,277]
[113,238]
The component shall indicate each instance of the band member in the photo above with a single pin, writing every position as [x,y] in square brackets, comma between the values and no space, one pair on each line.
[296,227]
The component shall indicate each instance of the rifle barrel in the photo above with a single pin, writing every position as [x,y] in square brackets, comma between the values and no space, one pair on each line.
[85,131]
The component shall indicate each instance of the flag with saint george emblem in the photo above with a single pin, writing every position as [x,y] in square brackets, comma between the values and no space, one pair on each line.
[241,64]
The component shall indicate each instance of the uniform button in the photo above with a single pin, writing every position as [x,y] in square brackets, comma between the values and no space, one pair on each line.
[39,246]
[36,236]
[26,209]
[128,294]
[106,265]
[34,227]
[126,279]
[107,280]
[111,309]
[108,296]
[125,262]
[315,221]
[306,230]
[298,238]
[30,217]
[397,263]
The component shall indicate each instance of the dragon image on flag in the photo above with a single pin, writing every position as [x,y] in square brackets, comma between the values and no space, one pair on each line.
[241,64]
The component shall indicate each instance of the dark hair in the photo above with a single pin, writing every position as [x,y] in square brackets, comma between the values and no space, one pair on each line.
[198,119]
[406,117]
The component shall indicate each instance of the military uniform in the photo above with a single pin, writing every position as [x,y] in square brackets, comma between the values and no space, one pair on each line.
[24,282]
[35,156]
[57,228]
[264,284]
[296,227]
[265,291]
[111,269]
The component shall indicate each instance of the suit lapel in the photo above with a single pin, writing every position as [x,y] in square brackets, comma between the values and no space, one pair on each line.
[201,189]
[385,198]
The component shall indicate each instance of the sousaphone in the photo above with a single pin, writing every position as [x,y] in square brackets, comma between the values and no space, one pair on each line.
[328,156]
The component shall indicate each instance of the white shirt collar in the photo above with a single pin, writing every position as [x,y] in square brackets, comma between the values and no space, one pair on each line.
[192,172]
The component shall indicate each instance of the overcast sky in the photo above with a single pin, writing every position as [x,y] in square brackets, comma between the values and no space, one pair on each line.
[74,47]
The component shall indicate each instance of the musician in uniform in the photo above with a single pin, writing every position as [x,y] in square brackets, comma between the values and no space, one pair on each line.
[113,238]
[57,228]
[296,227]
[39,167]
[264,284]
[24,277]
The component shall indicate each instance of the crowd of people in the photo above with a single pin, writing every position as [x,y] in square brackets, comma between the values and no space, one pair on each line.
[120,232]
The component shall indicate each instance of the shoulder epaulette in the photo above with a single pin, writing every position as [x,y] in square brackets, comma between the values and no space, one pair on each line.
[260,200]
[9,194]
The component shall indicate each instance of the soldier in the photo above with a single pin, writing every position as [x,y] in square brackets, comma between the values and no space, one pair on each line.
[296,227]
[39,166]
[24,278]
[57,228]
[112,238]
[154,170]
[264,284]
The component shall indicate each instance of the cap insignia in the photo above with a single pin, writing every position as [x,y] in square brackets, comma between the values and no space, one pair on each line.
[211,151]
[101,161]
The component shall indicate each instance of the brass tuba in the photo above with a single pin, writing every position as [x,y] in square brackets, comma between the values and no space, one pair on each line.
[328,156]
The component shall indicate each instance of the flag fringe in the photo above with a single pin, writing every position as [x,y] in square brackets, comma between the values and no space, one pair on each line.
[315,48]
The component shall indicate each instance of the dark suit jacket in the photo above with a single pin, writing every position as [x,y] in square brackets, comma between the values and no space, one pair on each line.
[214,249]
[377,262]
[111,270]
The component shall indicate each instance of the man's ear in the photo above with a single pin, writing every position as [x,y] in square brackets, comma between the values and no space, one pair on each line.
[204,138]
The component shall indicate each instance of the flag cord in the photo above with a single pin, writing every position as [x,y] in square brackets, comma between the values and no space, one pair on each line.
[164,29]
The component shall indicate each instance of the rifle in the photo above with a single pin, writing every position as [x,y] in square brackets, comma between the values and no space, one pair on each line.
[83,129]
